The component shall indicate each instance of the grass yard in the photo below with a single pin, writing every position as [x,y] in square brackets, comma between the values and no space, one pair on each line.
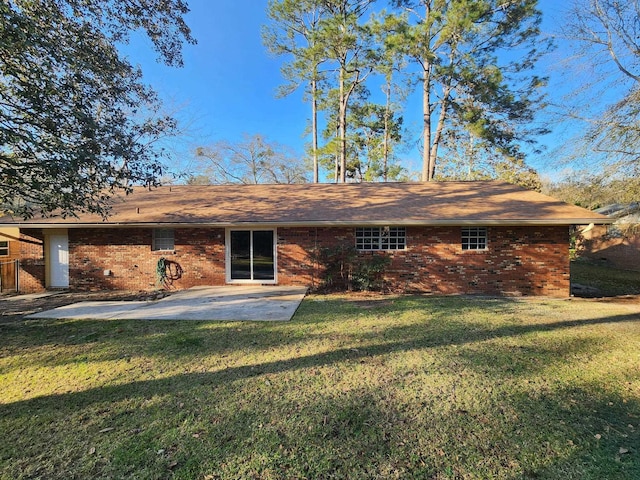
[607,280]
[353,387]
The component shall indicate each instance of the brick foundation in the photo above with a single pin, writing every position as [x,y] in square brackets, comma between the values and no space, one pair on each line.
[518,261]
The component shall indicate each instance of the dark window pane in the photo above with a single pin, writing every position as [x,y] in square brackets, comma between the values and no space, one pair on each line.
[241,255]
[474,238]
[380,238]
[163,239]
[263,264]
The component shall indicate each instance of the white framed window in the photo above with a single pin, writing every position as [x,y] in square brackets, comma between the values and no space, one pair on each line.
[381,238]
[474,238]
[163,239]
[4,248]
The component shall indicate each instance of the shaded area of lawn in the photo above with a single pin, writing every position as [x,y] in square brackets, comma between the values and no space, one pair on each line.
[607,281]
[383,387]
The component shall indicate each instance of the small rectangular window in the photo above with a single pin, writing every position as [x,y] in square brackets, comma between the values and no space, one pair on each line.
[163,239]
[380,238]
[474,238]
[4,248]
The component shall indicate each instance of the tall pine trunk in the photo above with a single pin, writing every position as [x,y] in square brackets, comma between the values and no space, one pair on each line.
[426,127]
[385,144]
[342,126]
[426,106]
[433,154]
[314,125]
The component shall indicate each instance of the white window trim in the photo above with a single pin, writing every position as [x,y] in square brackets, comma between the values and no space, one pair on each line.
[227,256]
[379,240]
[476,236]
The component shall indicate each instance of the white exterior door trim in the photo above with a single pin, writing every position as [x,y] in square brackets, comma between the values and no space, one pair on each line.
[227,256]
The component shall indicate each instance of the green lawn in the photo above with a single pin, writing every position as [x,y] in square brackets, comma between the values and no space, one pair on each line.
[607,280]
[363,387]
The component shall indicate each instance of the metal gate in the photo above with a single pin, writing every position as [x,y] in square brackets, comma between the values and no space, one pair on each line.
[10,276]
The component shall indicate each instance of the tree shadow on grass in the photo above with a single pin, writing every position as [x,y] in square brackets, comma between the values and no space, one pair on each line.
[264,420]
[190,428]
[440,321]
[404,339]
[597,429]
[104,340]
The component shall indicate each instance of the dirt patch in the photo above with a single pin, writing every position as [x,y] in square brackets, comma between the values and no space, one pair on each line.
[624,299]
[15,307]
[369,300]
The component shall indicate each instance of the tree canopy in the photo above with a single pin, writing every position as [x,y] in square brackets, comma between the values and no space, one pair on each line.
[77,124]
[252,160]
[294,31]
[604,36]
[472,60]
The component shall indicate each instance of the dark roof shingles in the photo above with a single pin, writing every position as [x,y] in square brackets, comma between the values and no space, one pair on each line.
[393,203]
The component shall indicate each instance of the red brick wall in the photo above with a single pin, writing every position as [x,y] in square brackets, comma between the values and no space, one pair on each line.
[620,248]
[29,249]
[296,262]
[518,261]
[127,254]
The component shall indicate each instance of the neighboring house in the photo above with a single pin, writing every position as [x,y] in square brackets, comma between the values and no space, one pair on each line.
[28,275]
[617,244]
[448,237]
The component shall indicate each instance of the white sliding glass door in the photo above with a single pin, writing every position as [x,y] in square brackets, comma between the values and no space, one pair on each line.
[251,256]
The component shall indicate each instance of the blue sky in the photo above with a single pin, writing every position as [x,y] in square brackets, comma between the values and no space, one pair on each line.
[228,84]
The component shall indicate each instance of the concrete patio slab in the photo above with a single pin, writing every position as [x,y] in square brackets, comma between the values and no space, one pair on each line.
[30,296]
[253,303]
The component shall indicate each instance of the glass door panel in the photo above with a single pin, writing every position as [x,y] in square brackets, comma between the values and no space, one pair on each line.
[241,255]
[252,255]
[263,264]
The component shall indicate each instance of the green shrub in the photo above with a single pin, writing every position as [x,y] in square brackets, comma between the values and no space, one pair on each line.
[348,269]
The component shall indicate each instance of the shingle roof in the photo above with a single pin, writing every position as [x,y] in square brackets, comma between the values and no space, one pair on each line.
[622,212]
[433,203]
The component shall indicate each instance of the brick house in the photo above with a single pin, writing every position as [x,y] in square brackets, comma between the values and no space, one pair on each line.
[616,245]
[449,237]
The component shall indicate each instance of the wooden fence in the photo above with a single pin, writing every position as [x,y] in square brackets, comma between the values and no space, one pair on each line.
[10,276]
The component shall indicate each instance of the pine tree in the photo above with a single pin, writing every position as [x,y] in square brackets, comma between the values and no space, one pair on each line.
[455,45]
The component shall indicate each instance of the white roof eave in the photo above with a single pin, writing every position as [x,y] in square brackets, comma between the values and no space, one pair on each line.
[321,223]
